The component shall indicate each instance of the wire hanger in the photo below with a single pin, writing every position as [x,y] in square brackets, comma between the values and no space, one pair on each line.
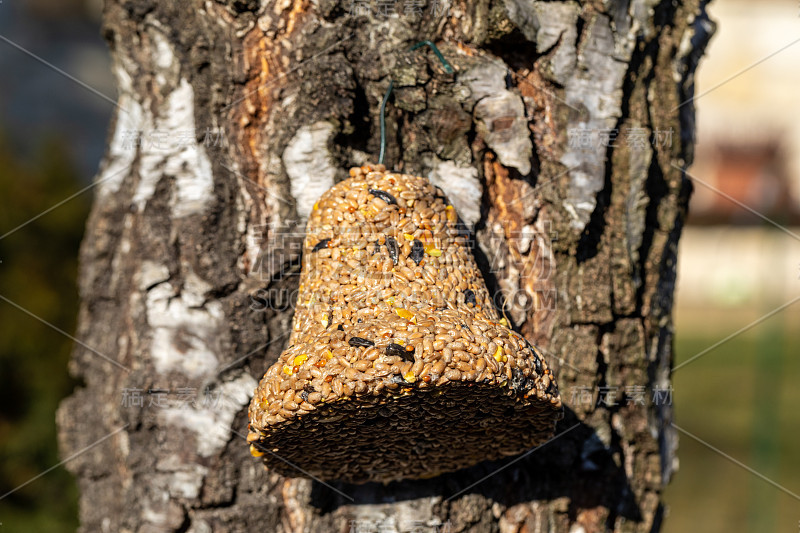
[447,68]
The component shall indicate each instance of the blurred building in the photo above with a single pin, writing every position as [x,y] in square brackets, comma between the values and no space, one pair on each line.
[746,99]
[748,152]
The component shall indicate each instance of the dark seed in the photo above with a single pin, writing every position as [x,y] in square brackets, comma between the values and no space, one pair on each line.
[377,248]
[359,341]
[383,195]
[340,327]
[304,396]
[400,351]
[469,297]
[417,251]
[520,383]
[537,363]
[394,251]
[320,245]
[395,349]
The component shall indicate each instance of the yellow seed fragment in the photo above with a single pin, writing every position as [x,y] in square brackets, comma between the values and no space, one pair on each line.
[324,320]
[432,250]
[255,452]
[504,322]
[409,377]
[287,370]
[299,359]
[405,313]
[316,206]
[390,300]
[498,354]
[452,216]
[329,354]
[408,236]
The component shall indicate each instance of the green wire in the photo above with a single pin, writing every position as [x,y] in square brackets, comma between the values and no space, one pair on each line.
[436,51]
[383,121]
[447,68]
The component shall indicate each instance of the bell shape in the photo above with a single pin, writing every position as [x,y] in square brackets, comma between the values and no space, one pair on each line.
[399,365]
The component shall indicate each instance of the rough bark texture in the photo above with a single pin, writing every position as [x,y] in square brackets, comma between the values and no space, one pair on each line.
[191,248]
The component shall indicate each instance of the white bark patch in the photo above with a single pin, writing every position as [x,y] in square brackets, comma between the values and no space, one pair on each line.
[163,57]
[462,187]
[195,289]
[486,79]
[596,87]
[408,515]
[503,125]
[168,144]
[548,24]
[592,75]
[500,115]
[191,166]
[150,274]
[177,154]
[309,164]
[181,483]
[199,526]
[122,148]
[185,338]
[252,233]
[212,423]
[253,239]
[149,175]
[159,512]
[526,235]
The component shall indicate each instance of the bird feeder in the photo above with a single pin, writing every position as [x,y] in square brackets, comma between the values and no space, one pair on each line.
[399,365]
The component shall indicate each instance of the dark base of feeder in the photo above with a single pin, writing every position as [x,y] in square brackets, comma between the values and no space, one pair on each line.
[411,436]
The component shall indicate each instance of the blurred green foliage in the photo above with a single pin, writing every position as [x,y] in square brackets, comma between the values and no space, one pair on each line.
[741,398]
[38,265]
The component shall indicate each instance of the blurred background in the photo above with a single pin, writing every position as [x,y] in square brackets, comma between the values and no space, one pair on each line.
[52,136]
[737,272]
[737,340]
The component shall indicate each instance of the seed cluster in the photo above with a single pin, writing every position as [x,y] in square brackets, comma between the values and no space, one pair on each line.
[399,366]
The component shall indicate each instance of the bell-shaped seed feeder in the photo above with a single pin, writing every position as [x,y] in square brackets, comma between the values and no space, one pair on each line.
[399,366]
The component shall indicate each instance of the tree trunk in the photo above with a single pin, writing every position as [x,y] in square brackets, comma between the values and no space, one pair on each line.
[559,139]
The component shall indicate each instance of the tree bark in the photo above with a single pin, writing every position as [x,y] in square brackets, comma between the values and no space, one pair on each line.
[235,115]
